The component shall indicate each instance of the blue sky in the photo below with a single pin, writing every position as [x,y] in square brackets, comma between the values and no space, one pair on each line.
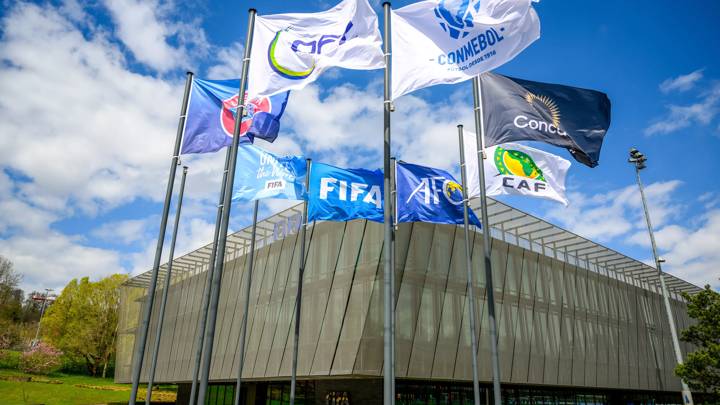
[91,94]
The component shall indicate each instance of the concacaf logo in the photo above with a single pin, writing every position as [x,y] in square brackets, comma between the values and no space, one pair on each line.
[548,104]
[516,163]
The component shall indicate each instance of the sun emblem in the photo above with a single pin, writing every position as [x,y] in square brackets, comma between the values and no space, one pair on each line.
[549,105]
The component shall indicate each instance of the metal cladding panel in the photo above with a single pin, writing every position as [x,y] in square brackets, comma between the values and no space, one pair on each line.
[561,320]
[432,296]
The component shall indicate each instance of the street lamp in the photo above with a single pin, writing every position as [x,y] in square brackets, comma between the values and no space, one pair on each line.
[44,298]
[638,159]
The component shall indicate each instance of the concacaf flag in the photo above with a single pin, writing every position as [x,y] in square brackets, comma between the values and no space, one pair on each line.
[290,51]
[517,169]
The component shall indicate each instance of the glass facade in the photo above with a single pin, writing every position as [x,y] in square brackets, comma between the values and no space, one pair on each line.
[562,321]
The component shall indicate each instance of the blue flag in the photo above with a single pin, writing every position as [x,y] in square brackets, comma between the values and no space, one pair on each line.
[261,174]
[432,195]
[344,194]
[211,113]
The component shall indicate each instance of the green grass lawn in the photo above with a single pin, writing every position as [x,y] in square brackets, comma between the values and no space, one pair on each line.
[19,392]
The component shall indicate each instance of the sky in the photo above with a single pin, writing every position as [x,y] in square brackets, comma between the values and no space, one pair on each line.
[90,95]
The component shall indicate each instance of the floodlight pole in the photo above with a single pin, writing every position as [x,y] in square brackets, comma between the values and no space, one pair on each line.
[638,160]
[42,312]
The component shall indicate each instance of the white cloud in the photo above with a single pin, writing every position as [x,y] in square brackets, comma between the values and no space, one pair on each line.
[149,34]
[604,217]
[690,253]
[682,116]
[682,82]
[229,62]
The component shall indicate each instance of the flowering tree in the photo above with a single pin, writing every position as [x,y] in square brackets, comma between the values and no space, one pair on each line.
[40,359]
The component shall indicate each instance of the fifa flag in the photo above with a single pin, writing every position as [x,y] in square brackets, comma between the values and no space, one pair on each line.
[569,117]
[516,169]
[291,50]
[260,174]
[211,113]
[345,194]
[449,41]
[432,195]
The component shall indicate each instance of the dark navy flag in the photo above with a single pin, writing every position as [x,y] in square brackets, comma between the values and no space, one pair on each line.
[569,117]
[345,194]
[432,195]
[211,116]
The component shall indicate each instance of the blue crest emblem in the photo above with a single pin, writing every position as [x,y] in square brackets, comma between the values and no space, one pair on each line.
[456,16]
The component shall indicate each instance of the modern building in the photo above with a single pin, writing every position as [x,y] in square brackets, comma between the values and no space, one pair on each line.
[578,322]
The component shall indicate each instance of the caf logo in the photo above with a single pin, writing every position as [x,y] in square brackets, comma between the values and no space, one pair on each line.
[229,112]
[456,16]
[516,163]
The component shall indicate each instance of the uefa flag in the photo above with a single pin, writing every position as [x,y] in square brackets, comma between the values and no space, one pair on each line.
[291,50]
[449,41]
[432,195]
[345,194]
[569,117]
[517,169]
[260,174]
[211,113]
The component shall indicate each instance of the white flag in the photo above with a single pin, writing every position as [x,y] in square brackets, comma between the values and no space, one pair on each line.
[449,41]
[291,50]
[512,168]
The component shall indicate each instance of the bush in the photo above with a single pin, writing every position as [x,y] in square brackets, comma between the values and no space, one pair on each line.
[41,359]
[9,359]
[10,334]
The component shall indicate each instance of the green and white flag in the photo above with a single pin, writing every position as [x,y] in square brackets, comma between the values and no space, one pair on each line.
[511,168]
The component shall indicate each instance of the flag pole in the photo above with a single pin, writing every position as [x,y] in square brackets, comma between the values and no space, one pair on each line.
[142,342]
[301,273]
[200,338]
[246,309]
[166,288]
[393,164]
[468,264]
[225,218]
[389,271]
[480,133]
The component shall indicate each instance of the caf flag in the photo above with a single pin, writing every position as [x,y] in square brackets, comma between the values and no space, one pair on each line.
[260,174]
[425,194]
[517,169]
[211,113]
[291,50]
[345,194]
[449,41]
[570,117]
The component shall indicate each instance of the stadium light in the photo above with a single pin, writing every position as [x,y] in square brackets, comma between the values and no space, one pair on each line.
[638,159]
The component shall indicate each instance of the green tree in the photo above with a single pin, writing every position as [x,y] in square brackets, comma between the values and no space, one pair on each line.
[11,297]
[83,321]
[701,369]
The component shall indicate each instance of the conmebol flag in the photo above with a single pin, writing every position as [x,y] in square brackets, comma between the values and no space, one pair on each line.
[570,117]
[345,194]
[432,195]
[261,174]
[449,41]
[512,168]
[211,115]
[291,50]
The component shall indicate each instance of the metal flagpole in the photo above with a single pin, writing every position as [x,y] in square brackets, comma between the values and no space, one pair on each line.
[142,341]
[638,159]
[389,271]
[225,219]
[480,133]
[393,164]
[301,272]
[468,264]
[166,288]
[200,338]
[246,310]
